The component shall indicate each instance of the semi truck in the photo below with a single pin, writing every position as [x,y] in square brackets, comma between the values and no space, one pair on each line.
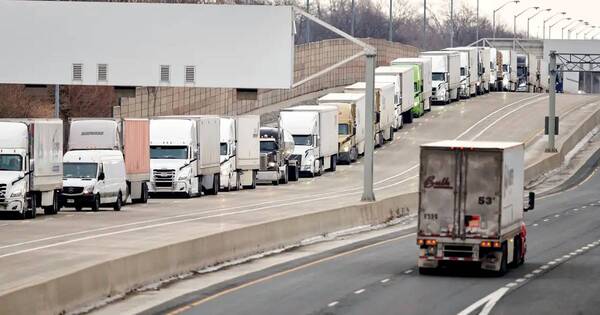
[184,155]
[31,152]
[493,66]
[424,84]
[276,148]
[314,129]
[351,123]
[445,75]
[239,151]
[471,205]
[384,108]
[509,70]
[107,162]
[522,73]
[404,90]
[485,68]
[469,72]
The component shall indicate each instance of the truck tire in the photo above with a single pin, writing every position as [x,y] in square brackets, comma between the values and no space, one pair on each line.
[119,203]
[96,203]
[503,262]
[143,196]
[30,213]
[215,185]
[285,178]
[353,154]
[53,209]
[407,117]
[333,163]
[380,139]
[293,173]
[517,258]
[320,169]
[238,182]
[391,134]
[426,271]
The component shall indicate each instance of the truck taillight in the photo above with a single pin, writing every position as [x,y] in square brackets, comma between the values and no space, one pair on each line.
[426,242]
[488,244]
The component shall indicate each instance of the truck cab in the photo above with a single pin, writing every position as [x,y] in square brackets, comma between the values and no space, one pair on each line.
[230,179]
[93,178]
[13,179]
[276,146]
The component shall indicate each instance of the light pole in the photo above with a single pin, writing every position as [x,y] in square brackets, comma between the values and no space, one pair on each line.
[477,19]
[452,23]
[577,25]
[548,19]
[551,26]
[531,17]
[352,19]
[494,15]
[391,22]
[581,30]
[307,22]
[515,20]
[567,26]
[592,28]
[424,23]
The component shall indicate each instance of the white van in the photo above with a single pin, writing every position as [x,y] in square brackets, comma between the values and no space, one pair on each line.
[93,178]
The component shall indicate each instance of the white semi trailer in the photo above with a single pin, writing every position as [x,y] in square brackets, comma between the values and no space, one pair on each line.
[493,69]
[385,110]
[509,69]
[239,151]
[445,75]
[31,152]
[471,205]
[469,70]
[425,67]
[314,129]
[404,91]
[184,155]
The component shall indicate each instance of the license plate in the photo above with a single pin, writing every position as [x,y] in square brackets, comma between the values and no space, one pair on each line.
[70,200]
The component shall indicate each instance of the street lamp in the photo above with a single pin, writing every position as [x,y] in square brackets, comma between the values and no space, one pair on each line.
[531,17]
[594,36]
[567,26]
[548,19]
[592,28]
[581,30]
[575,27]
[551,26]
[515,20]
[494,15]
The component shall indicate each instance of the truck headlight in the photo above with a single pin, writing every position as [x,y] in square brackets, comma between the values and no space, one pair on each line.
[271,164]
[345,147]
[88,190]
[184,175]
[17,193]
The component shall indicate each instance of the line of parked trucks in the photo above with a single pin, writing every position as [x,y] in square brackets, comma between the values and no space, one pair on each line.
[110,162]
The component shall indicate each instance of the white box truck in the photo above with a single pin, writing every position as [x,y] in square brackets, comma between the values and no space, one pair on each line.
[471,204]
[469,63]
[385,111]
[509,70]
[351,123]
[314,129]
[184,155]
[425,67]
[445,75]
[493,66]
[31,172]
[107,162]
[240,151]
[404,91]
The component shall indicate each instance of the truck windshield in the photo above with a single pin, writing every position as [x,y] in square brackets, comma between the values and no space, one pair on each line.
[168,152]
[505,68]
[438,76]
[223,148]
[268,146]
[463,71]
[80,170]
[11,162]
[343,129]
[302,139]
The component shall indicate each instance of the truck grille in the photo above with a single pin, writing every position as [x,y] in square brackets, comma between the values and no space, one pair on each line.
[264,160]
[460,251]
[164,178]
[297,158]
[72,190]
[2,192]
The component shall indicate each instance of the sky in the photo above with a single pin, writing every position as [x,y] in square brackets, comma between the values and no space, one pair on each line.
[587,10]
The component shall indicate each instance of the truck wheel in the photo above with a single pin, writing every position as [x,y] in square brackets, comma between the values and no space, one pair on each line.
[320,169]
[216,184]
[391,134]
[30,213]
[275,182]
[503,263]
[53,209]
[96,203]
[425,271]
[238,182]
[517,258]
[407,117]
[333,163]
[78,207]
[253,184]
[380,140]
[285,178]
[353,154]
[145,193]
[119,203]
[293,173]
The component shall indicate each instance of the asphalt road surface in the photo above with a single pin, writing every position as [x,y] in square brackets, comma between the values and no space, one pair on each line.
[560,276]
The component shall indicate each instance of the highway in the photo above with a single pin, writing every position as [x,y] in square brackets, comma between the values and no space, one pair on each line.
[48,247]
[380,277]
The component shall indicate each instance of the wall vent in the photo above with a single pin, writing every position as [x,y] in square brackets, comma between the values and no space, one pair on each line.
[165,73]
[102,72]
[190,74]
[77,72]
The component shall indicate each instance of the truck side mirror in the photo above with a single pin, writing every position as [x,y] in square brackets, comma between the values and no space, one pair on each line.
[101,176]
[531,205]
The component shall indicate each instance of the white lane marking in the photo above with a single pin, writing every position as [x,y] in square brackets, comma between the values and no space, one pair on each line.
[529,275]
[537,271]
[544,267]
[491,114]
[385,280]
[583,207]
[504,116]
[408,271]
[218,215]
[510,285]
[576,209]
[520,280]
[557,215]
[491,298]
[546,220]
[359,291]
[535,224]
[332,304]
